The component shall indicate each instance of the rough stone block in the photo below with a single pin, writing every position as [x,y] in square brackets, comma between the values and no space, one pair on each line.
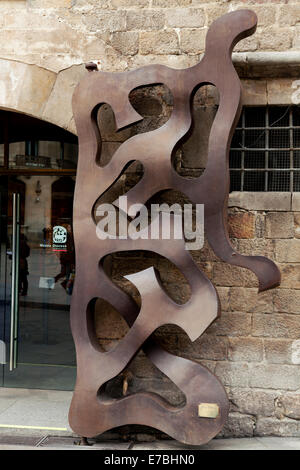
[260,225]
[16,4]
[170,340]
[28,19]
[49,3]
[284,377]
[31,87]
[279,225]
[232,324]
[200,2]
[224,298]
[164,388]
[275,39]
[142,367]
[276,427]
[276,325]
[287,300]
[194,150]
[86,6]
[107,151]
[174,61]
[58,107]
[206,96]
[254,92]
[278,351]
[192,41]
[210,365]
[107,126]
[282,351]
[279,91]
[110,59]
[295,352]
[233,374]
[288,251]
[161,42]
[253,402]
[152,101]
[266,15]
[290,275]
[104,20]
[249,300]
[131,264]
[209,347]
[297,224]
[206,268]
[16,43]
[145,20]
[171,3]
[227,275]
[290,405]
[260,201]
[238,425]
[241,224]
[296,39]
[259,247]
[296,202]
[245,349]
[126,43]
[247,45]
[129,3]
[185,18]
[109,324]
[215,11]
[205,254]
[289,14]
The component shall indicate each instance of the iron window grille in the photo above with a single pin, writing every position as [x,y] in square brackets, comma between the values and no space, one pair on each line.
[265,150]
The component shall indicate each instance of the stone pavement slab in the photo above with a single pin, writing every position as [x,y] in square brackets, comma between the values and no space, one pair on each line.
[62,443]
[38,419]
[34,412]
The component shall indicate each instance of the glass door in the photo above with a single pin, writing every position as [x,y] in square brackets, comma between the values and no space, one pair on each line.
[37,271]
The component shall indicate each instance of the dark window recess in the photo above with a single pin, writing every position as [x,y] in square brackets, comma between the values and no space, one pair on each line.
[29,143]
[265,150]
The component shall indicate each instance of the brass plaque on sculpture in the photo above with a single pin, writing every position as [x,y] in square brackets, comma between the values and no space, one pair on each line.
[208,410]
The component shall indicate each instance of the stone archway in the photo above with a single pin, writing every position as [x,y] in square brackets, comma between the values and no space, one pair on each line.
[39,92]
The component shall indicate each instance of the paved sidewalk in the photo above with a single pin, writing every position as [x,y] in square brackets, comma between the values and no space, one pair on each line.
[49,442]
[38,419]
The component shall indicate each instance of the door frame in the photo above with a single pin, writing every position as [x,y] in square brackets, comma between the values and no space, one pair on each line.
[29,172]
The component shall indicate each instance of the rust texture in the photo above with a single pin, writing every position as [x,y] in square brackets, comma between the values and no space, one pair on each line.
[91,412]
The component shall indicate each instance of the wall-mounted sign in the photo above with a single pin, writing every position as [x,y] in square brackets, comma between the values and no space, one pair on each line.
[59,238]
[46,283]
[33,161]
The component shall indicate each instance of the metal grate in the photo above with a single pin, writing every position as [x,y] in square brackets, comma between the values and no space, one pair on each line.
[265,150]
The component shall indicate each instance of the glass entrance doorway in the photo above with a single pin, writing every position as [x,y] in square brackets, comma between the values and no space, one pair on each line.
[37,273]
[37,270]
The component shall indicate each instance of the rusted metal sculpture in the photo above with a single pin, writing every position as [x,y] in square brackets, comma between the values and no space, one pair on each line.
[206,408]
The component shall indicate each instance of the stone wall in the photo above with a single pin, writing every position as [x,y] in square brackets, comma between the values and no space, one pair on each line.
[254,347]
[56,34]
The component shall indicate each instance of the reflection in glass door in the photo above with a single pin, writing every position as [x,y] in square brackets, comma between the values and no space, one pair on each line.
[37,271]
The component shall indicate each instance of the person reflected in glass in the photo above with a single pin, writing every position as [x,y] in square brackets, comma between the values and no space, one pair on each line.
[67,263]
[23,267]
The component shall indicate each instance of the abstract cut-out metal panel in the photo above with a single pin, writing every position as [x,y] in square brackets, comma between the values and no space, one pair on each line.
[206,407]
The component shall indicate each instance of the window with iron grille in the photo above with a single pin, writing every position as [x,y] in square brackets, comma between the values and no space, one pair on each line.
[265,150]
